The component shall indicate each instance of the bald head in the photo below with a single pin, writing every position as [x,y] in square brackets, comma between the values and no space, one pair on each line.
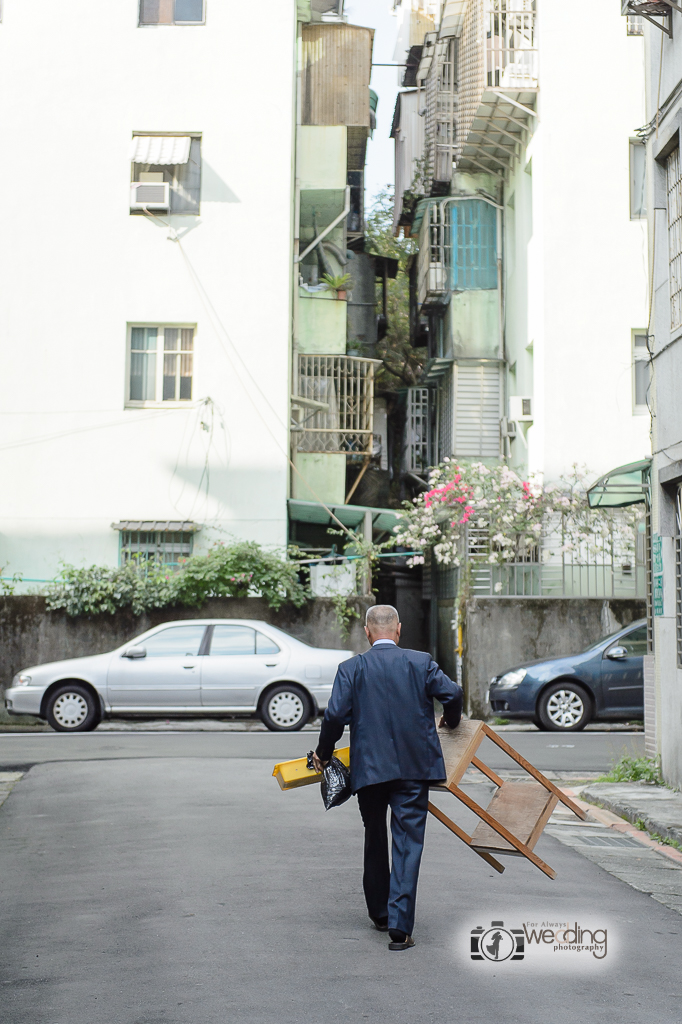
[382,623]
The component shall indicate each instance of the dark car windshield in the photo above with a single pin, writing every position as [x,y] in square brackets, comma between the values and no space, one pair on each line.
[607,639]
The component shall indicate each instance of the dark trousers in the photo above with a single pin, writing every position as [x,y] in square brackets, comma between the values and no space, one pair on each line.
[394,891]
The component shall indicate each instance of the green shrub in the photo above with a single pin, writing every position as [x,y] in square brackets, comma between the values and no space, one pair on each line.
[238,570]
[100,589]
[241,569]
[634,769]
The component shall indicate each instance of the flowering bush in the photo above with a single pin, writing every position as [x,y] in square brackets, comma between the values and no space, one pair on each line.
[506,516]
[508,510]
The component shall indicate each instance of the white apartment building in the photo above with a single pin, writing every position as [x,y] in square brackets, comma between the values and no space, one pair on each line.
[145,312]
[530,284]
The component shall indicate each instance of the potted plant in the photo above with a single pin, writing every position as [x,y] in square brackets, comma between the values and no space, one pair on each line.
[337,283]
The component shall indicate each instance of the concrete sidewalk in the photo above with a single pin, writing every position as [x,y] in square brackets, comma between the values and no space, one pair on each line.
[657,808]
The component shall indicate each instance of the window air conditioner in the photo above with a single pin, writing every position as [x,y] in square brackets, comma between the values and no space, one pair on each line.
[521,409]
[149,195]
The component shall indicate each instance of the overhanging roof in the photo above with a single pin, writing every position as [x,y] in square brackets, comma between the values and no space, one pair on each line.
[434,370]
[623,486]
[351,516]
[157,525]
[501,124]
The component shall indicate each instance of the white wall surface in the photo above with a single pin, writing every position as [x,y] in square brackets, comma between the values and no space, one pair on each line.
[76,80]
[578,257]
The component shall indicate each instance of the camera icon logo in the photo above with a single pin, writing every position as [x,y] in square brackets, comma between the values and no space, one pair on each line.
[497,943]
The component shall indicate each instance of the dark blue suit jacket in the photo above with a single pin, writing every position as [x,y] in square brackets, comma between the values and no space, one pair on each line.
[386,696]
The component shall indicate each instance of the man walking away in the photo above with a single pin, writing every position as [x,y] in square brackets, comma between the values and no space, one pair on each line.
[386,696]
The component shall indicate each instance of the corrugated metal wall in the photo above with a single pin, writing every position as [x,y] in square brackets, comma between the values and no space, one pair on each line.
[336,68]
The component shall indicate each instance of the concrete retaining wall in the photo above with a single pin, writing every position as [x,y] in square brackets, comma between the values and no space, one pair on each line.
[31,635]
[501,633]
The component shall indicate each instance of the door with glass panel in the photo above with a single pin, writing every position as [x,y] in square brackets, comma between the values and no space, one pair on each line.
[239,662]
[622,673]
[158,672]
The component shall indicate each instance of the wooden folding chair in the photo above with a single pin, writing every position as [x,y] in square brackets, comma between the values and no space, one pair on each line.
[514,819]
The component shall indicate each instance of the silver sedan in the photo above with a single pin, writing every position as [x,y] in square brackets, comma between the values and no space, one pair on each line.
[206,667]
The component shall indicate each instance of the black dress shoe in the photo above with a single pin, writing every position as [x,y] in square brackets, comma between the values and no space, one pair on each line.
[380,923]
[399,940]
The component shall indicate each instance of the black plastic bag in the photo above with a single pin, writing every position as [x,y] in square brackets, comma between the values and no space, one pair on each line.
[335,785]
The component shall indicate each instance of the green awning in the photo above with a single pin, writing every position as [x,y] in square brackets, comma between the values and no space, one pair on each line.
[351,516]
[623,486]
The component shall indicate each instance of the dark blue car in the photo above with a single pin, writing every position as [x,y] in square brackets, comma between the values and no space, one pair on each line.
[564,694]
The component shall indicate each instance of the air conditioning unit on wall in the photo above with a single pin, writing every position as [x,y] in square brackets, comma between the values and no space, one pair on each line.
[149,195]
[521,409]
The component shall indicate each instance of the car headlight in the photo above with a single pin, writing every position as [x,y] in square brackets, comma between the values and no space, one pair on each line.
[510,680]
[21,679]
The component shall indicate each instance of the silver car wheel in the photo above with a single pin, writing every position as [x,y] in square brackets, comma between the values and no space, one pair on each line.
[565,709]
[286,708]
[70,710]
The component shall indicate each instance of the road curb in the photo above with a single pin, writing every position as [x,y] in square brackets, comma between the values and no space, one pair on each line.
[612,813]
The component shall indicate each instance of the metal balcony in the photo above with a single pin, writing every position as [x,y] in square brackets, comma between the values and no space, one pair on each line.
[333,407]
[498,83]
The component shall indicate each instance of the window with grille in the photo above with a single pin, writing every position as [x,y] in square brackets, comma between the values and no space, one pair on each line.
[674,184]
[446,416]
[161,364]
[635,25]
[417,453]
[334,408]
[474,245]
[641,372]
[171,12]
[678,577]
[155,546]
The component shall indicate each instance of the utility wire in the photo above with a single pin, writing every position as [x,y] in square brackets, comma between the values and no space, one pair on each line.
[210,308]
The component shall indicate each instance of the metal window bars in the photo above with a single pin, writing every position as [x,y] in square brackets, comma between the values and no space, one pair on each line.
[334,413]
[554,567]
[417,455]
[678,577]
[434,255]
[674,185]
[511,55]
[155,546]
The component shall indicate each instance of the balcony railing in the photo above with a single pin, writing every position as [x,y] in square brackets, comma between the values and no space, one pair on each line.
[554,568]
[334,405]
[511,55]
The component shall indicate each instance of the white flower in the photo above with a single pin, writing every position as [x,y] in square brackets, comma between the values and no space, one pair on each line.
[498,588]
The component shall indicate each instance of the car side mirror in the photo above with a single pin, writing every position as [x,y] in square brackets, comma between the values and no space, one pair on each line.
[617,653]
[135,652]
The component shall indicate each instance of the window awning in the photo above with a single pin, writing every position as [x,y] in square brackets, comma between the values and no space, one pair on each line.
[351,516]
[156,526]
[160,149]
[623,486]
[453,18]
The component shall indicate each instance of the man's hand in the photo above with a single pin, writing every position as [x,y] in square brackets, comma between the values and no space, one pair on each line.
[443,724]
[319,765]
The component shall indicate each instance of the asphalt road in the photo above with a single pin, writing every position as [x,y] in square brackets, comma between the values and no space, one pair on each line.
[580,751]
[193,891]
